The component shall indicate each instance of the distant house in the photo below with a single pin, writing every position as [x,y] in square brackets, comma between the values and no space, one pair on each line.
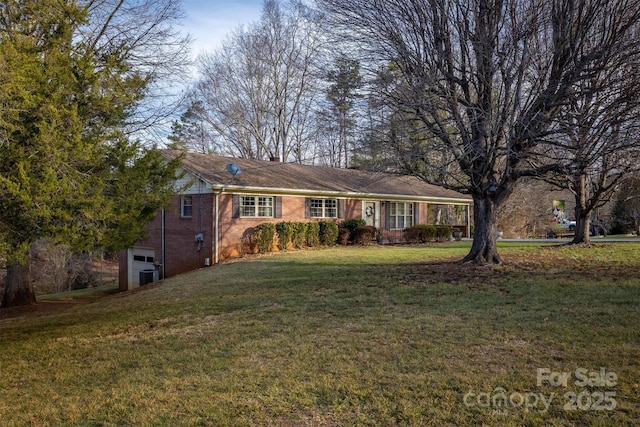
[226,197]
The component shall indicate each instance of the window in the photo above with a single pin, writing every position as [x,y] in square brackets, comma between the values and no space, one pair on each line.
[186,206]
[400,215]
[323,208]
[256,206]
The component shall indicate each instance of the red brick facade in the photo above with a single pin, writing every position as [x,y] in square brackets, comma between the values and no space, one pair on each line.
[181,250]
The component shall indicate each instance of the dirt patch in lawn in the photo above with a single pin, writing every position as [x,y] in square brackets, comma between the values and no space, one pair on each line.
[42,307]
[556,262]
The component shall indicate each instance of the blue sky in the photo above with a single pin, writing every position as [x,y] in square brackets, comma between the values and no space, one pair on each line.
[209,21]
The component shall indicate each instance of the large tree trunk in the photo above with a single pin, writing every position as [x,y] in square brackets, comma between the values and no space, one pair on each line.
[583,226]
[582,212]
[484,249]
[19,289]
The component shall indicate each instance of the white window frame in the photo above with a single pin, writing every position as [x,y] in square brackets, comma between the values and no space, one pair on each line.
[399,219]
[186,203]
[323,208]
[256,206]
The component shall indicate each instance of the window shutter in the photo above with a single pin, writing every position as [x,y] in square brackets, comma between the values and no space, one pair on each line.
[235,206]
[340,208]
[307,207]
[277,213]
[387,215]
[416,213]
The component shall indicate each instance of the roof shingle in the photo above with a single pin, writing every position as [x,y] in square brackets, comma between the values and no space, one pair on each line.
[277,175]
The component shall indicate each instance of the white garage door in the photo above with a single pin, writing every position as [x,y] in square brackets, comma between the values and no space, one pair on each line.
[143,259]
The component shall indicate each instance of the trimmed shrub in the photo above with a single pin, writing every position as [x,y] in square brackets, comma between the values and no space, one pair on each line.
[263,235]
[299,237]
[420,233]
[312,233]
[412,235]
[443,233]
[344,234]
[329,233]
[301,234]
[285,232]
[423,233]
[353,223]
[364,235]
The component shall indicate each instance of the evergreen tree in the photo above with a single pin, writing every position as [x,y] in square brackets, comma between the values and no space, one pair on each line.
[192,133]
[345,81]
[67,172]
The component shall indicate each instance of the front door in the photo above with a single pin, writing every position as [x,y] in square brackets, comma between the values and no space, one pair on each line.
[371,212]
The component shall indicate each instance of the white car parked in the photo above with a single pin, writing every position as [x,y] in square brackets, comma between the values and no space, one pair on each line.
[568,225]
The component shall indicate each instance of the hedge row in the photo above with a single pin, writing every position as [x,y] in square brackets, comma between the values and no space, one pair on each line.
[286,235]
[423,233]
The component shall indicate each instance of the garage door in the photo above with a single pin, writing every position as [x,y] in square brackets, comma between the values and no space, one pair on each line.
[143,259]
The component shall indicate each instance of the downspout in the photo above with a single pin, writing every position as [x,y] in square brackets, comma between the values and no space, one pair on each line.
[216,248]
[162,244]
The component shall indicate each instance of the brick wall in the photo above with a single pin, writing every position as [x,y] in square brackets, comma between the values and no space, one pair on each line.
[182,252]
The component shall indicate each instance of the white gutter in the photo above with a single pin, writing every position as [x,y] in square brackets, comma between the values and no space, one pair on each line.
[236,189]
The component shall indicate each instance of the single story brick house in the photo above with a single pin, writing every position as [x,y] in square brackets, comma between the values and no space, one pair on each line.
[223,198]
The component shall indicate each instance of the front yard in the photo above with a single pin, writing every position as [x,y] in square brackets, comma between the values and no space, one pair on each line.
[344,336]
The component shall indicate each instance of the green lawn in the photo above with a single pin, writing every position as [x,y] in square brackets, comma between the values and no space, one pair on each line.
[343,336]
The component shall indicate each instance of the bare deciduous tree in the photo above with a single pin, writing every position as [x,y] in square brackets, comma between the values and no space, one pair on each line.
[599,145]
[486,79]
[147,33]
[626,209]
[256,91]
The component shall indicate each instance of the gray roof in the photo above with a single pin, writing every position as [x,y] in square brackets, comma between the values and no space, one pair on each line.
[295,178]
